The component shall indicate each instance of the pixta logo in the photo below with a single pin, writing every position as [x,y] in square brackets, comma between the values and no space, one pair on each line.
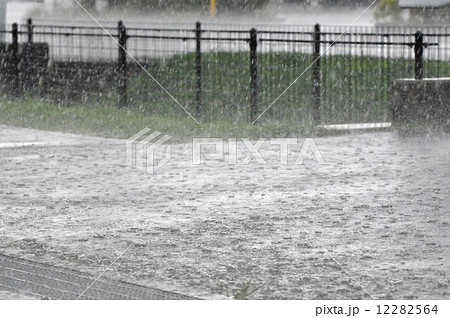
[242,151]
[141,152]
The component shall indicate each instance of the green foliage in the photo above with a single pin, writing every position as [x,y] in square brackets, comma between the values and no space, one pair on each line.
[245,291]
[354,88]
[102,119]
[89,4]
[188,4]
[388,9]
[239,4]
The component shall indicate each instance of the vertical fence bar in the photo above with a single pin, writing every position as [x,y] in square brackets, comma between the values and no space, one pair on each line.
[27,62]
[418,51]
[30,30]
[198,69]
[15,57]
[122,68]
[316,74]
[253,76]
[27,59]
[388,66]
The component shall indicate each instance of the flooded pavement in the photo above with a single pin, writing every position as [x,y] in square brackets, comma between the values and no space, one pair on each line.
[12,296]
[373,221]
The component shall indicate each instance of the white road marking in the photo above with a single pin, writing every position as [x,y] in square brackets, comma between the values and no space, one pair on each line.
[27,144]
[356,126]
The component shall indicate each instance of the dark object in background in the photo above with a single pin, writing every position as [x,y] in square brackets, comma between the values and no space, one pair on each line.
[23,67]
[417,102]
[33,64]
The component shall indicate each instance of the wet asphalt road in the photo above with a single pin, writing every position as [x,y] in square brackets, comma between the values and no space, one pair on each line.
[378,206]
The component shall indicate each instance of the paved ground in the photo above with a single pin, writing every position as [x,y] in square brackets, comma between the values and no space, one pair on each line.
[23,278]
[5,295]
[378,208]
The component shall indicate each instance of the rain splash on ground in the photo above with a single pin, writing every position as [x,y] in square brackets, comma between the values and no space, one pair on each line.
[4,295]
[373,221]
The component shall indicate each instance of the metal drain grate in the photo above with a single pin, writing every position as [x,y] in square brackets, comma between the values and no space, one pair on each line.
[45,281]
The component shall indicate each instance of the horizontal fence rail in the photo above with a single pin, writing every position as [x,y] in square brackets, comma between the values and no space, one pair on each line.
[238,71]
[164,40]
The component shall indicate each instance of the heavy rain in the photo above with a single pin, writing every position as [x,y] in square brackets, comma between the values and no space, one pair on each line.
[258,149]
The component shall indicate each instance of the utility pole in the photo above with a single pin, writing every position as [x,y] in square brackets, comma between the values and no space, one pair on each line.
[212,8]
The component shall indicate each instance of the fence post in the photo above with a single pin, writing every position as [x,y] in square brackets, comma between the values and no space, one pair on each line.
[122,69]
[418,52]
[316,74]
[28,60]
[253,76]
[15,57]
[30,30]
[198,69]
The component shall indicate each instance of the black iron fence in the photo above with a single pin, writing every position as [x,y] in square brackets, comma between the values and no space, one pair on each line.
[324,74]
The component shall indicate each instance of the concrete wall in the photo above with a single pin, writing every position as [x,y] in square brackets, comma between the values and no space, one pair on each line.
[421,101]
[62,82]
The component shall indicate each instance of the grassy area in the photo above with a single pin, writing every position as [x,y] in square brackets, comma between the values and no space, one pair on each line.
[353,88]
[101,120]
